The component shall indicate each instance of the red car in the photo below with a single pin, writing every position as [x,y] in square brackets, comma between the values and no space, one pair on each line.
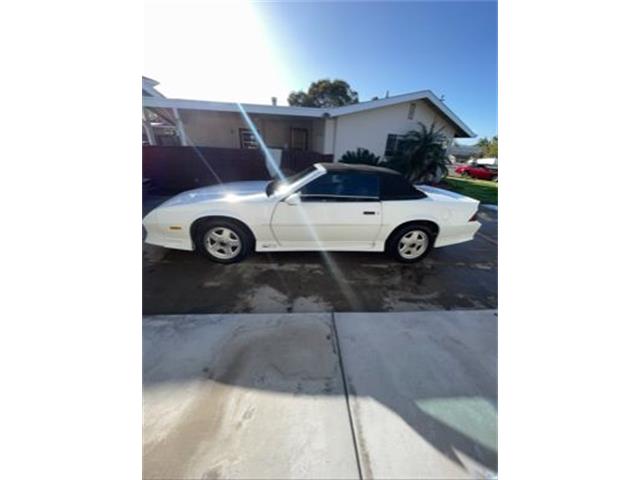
[481,172]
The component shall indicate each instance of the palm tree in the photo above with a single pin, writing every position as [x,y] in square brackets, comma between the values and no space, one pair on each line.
[421,155]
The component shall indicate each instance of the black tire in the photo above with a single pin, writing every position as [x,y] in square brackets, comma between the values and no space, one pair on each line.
[465,174]
[239,233]
[393,243]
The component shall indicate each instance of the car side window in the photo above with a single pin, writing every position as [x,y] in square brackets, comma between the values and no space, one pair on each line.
[342,187]
[396,187]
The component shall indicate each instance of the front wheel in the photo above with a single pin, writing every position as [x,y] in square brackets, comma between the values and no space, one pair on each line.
[411,243]
[223,241]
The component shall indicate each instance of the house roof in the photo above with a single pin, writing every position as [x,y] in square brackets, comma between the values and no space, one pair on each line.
[148,86]
[150,81]
[462,130]
[427,95]
[233,107]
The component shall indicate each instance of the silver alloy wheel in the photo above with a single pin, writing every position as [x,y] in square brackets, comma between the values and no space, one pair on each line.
[222,243]
[413,244]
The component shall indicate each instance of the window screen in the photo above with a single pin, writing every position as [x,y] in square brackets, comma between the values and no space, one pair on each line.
[342,187]
[247,139]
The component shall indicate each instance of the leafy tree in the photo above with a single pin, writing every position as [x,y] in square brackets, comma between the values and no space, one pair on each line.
[421,155]
[489,147]
[324,93]
[361,156]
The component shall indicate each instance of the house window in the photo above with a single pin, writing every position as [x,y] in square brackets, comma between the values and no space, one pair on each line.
[393,144]
[247,139]
[412,111]
[299,139]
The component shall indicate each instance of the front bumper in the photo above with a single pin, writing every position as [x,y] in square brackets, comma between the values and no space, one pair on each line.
[163,232]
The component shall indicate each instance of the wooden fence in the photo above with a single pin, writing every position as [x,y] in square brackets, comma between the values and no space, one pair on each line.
[175,169]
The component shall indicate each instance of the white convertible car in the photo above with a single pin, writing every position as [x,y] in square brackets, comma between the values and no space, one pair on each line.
[329,206]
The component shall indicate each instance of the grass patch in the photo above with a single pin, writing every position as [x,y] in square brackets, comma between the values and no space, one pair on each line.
[483,190]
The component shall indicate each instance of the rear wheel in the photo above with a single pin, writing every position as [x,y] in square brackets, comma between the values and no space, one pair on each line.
[223,241]
[411,243]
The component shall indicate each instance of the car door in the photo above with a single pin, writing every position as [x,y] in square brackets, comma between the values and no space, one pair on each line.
[339,211]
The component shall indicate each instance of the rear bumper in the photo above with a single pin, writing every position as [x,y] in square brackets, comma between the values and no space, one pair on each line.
[457,234]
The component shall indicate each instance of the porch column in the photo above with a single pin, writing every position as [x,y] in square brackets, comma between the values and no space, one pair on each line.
[328,143]
[148,128]
[180,126]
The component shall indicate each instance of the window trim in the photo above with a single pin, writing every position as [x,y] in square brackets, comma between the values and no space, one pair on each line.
[313,197]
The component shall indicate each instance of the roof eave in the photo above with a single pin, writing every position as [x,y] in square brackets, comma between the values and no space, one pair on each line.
[462,130]
[154,102]
[465,131]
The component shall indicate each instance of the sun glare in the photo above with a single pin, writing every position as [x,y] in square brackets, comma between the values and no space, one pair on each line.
[213,51]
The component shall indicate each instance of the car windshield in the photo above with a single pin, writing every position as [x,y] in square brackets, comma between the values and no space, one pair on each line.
[274,185]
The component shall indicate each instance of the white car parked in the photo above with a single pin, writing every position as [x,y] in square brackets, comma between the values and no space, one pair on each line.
[329,206]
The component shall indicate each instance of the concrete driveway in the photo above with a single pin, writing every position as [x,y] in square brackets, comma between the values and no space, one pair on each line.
[457,277]
[386,395]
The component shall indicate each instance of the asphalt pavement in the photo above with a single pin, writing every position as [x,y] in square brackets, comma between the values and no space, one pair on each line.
[460,276]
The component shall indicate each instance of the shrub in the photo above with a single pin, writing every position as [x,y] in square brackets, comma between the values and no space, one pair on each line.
[361,156]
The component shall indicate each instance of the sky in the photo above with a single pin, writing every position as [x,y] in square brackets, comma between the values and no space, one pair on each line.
[251,51]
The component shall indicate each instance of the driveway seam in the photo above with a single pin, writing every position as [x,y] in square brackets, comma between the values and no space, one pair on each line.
[346,395]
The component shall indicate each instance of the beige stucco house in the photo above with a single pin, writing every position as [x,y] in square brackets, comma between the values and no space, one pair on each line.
[374,125]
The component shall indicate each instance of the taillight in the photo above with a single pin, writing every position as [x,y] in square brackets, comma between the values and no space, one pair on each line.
[474,218]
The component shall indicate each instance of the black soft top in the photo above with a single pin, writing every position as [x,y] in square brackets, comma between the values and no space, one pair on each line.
[393,186]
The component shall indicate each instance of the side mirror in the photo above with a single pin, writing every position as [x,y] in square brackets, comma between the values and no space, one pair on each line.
[293,199]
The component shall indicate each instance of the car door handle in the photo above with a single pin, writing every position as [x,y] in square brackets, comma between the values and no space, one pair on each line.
[368,212]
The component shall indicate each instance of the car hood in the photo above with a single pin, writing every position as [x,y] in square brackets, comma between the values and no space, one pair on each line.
[225,192]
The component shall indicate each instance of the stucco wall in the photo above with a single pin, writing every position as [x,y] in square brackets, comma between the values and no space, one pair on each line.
[212,129]
[317,136]
[276,131]
[369,129]
[221,129]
